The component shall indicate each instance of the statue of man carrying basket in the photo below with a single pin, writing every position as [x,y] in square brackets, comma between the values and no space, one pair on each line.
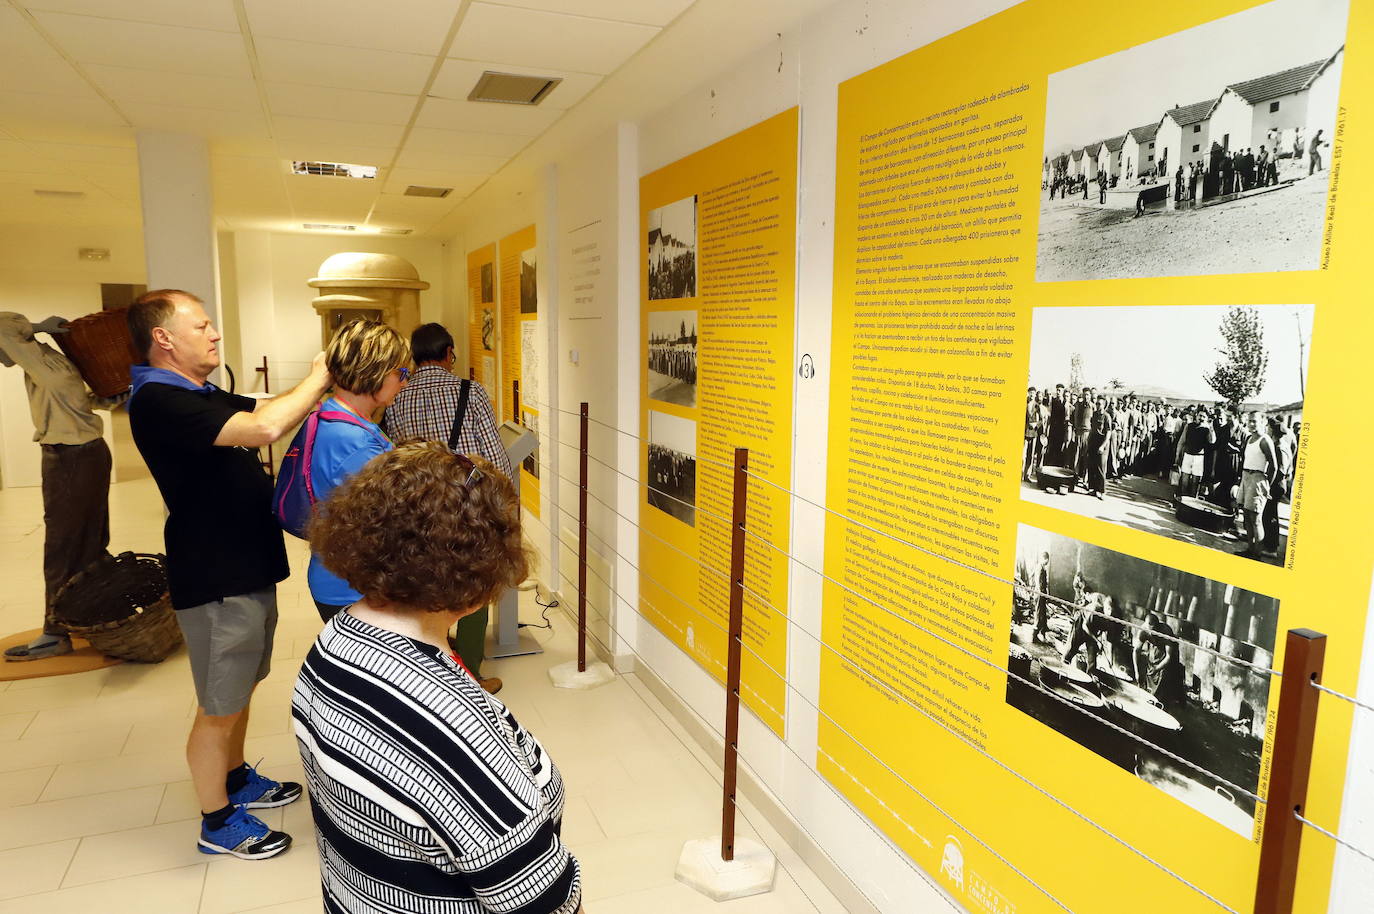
[75,469]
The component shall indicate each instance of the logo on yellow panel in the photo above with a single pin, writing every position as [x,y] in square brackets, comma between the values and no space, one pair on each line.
[977,889]
[952,861]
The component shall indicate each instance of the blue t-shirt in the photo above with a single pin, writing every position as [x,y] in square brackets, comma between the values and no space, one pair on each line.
[341,449]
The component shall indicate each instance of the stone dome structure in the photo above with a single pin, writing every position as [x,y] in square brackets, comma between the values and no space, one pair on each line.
[359,285]
[357,269]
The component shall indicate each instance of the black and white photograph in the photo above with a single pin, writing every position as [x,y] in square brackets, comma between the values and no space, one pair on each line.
[673,357]
[672,482]
[1206,151]
[1098,638]
[529,295]
[488,330]
[673,250]
[1184,421]
[530,420]
[488,284]
[531,369]
[488,378]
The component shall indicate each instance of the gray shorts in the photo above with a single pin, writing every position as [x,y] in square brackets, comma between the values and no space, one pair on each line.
[230,643]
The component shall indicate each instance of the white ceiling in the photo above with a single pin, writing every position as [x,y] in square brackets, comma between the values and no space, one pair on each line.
[373,82]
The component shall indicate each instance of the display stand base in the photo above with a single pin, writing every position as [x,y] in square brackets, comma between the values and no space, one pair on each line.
[750,873]
[82,659]
[566,675]
[522,646]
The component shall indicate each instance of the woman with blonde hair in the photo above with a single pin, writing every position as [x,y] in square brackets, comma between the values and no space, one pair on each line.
[370,363]
[426,792]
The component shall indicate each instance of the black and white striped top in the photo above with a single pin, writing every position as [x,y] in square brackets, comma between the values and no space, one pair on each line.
[428,796]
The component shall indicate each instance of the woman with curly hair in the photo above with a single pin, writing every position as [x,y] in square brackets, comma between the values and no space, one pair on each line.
[427,794]
[370,363]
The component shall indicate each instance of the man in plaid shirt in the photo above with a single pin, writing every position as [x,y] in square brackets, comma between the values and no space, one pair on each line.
[425,408]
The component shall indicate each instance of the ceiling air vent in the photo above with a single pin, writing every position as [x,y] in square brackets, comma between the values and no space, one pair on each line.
[420,190]
[334,169]
[326,227]
[61,194]
[512,88]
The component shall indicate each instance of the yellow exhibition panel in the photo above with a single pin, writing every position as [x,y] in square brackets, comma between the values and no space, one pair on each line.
[718,304]
[1050,617]
[520,330]
[482,319]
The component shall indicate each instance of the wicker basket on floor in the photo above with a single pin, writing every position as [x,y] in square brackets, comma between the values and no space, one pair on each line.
[102,349]
[120,605]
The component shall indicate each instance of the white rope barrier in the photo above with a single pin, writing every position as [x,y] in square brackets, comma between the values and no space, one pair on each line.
[959,736]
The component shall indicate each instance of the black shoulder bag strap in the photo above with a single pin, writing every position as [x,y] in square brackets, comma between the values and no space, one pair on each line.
[464,386]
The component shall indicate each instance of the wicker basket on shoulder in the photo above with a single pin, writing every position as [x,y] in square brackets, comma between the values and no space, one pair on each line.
[119,603]
[102,349]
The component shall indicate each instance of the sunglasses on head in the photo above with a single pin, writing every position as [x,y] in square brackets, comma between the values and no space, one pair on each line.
[470,468]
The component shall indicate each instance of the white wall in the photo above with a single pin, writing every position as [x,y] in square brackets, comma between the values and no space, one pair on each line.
[41,275]
[587,325]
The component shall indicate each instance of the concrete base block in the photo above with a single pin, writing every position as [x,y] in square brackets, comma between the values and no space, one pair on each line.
[566,676]
[750,873]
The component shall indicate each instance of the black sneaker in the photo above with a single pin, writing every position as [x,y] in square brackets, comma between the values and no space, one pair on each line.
[244,836]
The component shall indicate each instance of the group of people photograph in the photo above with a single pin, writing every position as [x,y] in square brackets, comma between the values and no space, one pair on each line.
[1205,151]
[1182,420]
[1222,172]
[671,481]
[1240,462]
[672,357]
[672,250]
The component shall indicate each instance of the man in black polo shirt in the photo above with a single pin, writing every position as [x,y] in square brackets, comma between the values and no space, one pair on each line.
[225,553]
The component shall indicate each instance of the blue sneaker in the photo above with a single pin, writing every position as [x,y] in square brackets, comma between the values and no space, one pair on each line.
[244,836]
[264,793]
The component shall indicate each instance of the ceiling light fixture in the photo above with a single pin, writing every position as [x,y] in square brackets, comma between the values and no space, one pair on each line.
[327,227]
[512,88]
[333,169]
[421,190]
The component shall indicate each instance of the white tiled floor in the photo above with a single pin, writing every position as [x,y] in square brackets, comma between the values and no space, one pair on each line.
[97,814]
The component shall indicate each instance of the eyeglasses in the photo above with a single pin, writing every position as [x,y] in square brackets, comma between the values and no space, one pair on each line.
[474,474]
[404,373]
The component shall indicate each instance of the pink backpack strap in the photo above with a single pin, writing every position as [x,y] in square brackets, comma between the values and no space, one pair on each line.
[334,415]
[338,415]
[312,426]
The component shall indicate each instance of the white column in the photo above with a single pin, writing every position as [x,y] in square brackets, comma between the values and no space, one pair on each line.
[546,281]
[179,218]
[628,496]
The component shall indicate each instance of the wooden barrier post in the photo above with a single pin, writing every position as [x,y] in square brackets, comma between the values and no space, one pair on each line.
[582,547]
[727,827]
[579,674]
[269,464]
[737,867]
[1294,731]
